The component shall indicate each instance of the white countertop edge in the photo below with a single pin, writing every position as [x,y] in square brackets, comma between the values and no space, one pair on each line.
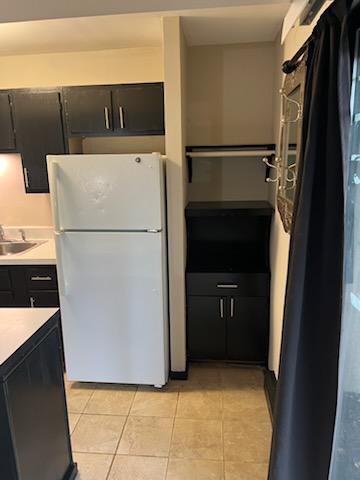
[17,325]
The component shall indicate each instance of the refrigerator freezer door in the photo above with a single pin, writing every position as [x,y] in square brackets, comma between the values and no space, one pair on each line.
[114,316]
[107,192]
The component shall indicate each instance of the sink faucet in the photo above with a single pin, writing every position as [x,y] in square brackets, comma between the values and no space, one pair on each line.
[22,233]
[2,233]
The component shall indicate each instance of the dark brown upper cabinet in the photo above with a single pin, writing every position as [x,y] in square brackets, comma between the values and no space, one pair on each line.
[88,110]
[138,109]
[7,134]
[39,132]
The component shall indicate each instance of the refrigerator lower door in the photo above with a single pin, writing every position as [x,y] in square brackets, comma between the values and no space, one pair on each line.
[113,306]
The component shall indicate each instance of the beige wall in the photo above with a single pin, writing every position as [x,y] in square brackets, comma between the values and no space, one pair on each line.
[127,65]
[280,240]
[175,141]
[17,208]
[230,101]
[78,68]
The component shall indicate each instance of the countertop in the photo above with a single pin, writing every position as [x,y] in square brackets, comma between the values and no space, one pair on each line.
[43,254]
[17,325]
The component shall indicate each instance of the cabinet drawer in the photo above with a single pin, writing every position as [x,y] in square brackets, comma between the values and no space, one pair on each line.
[5,281]
[44,298]
[41,278]
[243,284]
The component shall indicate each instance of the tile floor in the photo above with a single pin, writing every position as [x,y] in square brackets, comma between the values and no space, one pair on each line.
[214,426]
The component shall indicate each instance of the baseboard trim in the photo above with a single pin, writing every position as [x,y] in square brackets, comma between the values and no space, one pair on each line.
[270,386]
[182,375]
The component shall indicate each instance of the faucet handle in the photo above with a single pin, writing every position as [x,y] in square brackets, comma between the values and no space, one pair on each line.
[22,233]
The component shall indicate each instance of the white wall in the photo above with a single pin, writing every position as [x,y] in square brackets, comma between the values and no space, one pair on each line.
[175,141]
[130,65]
[230,101]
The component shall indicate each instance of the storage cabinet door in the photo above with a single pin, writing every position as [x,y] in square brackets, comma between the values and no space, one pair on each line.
[206,327]
[247,329]
[37,410]
[7,136]
[139,109]
[44,298]
[39,132]
[88,110]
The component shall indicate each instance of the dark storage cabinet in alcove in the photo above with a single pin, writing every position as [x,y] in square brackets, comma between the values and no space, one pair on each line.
[228,280]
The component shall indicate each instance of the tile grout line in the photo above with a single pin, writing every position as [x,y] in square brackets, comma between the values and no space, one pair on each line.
[222,429]
[118,442]
[172,434]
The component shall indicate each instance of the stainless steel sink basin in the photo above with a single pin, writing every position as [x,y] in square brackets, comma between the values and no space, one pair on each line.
[12,248]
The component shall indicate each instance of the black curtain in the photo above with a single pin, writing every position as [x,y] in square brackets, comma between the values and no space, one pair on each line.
[307,387]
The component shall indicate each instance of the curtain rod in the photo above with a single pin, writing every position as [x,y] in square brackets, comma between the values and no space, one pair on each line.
[290,65]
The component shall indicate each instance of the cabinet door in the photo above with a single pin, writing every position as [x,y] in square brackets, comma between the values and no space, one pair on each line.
[206,325]
[37,410]
[39,132]
[248,329]
[43,298]
[139,109]
[12,287]
[88,110]
[7,136]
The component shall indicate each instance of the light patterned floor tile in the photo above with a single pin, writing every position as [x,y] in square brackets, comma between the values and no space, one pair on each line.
[190,469]
[111,400]
[138,468]
[73,420]
[148,402]
[245,404]
[92,466]
[197,439]
[78,395]
[247,441]
[246,471]
[240,377]
[97,433]
[146,436]
[201,404]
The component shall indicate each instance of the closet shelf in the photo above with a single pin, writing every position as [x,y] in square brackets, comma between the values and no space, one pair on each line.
[234,151]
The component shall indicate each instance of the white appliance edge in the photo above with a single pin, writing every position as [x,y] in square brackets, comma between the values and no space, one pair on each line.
[112,282]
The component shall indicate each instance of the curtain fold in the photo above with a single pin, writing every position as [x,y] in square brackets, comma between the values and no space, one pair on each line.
[307,387]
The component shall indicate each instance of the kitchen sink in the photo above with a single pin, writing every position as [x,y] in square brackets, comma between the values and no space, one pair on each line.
[12,248]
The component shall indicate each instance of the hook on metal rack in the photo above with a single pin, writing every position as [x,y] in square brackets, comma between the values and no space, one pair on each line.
[275,167]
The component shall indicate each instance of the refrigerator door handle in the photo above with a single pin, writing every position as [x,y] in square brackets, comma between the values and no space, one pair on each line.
[53,188]
[59,267]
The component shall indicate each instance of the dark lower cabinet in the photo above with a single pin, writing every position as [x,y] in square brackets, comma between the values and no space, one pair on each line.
[7,134]
[247,329]
[39,132]
[28,286]
[228,328]
[206,327]
[34,433]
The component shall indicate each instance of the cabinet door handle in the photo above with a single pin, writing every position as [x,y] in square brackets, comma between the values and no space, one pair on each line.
[227,285]
[26,177]
[36,279]
[221,308]
[32,302]
[107,122]
[121,117]
[231,307]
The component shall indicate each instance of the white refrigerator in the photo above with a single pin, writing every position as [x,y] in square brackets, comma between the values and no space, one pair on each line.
[110,234]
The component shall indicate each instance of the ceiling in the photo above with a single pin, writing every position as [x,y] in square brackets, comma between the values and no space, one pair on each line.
[24,10]
[247,23]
